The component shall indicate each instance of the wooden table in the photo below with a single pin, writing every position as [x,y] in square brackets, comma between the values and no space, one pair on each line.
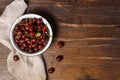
[91,32]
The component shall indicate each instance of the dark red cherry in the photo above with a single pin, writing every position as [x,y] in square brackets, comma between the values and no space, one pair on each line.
[44,28]
[24,45]
[59,58]
[39,21]
[32,34]
[51,70]
[40,47]
[30,50]
[16,58]
[60,44]
[34,40]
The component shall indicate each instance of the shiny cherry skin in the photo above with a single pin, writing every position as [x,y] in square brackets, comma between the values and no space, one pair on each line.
[51,70]
[16,58]
[59,58]
[60,44]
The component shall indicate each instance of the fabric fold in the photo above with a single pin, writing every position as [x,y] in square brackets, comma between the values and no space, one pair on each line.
[27,68]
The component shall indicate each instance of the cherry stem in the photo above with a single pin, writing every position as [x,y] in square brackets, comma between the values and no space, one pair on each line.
[29,36]
[48,35]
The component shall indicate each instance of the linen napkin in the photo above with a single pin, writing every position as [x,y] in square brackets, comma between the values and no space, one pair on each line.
[26,68]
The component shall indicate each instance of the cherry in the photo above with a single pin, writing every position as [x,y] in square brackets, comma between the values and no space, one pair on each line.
[30,46]
[44,43]
[34,19]
[26,33]
[32,34]
[60,44]
[27,27]
[17,37]
[31,29]
[51,70]
[36,49]
[21,47]
[19,43]
[59,58]
[28,41]
[22,41]
[30,23]
[30,50]
[39,27]
[46,32]
[16,58]
[17,27]
[34,40]
[23,36]
[34,45]
[22,21]
[41,37]
[24,45]
[39,21]
[19,32]
[40,43]
[40,47]
[44,28]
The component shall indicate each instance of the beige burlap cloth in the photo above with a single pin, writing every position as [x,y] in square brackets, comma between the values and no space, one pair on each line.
[26,68]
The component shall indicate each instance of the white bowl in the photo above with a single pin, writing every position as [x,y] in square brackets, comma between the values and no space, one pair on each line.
[15,44]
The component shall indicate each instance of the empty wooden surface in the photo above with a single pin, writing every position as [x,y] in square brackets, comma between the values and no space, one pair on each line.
[91,32]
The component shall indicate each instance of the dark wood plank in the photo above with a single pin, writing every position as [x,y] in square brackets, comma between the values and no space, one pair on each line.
[91,32]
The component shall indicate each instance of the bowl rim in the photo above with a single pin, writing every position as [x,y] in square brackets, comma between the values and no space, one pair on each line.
[15,44]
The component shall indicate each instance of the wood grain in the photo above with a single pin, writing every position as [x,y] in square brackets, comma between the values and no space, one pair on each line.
[91,32]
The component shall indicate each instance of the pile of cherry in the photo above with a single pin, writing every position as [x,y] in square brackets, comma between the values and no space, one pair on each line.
[31,35]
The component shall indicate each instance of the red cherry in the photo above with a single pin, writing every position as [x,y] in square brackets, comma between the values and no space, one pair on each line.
[40,43]
[34,40]
[59,58]
[60,44]
[40,47]
[30,46]
[31,29]
[34,45]
[22,41]
[17,37]
[16,58]
[34,19]
[23,36]
[27,27]
[36,49]
[19,32]
[24,45]
[39,21]
[39,27]
[32,34]
[44,28]
[26,33]
[30,22]
[30,50]
[51,70]
[28,41]
[17,27]
[41,37]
